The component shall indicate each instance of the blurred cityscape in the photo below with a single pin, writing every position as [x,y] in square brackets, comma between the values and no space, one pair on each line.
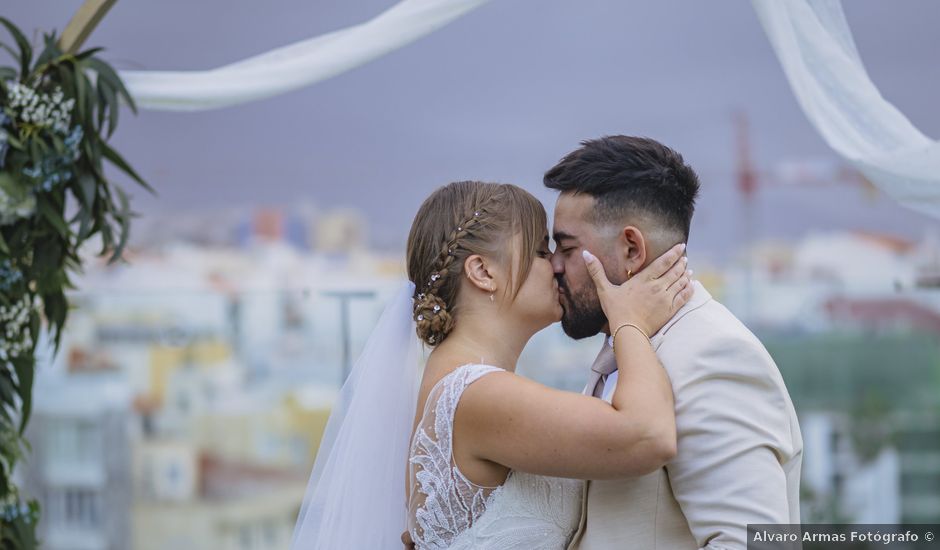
[187,401]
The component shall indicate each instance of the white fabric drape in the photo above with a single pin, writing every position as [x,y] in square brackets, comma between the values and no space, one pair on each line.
[812,40]
[814,44]
[294,66]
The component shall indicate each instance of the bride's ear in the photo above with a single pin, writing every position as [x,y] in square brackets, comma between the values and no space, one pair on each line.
[476,269]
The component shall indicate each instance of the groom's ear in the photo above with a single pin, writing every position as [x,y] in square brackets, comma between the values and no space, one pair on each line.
[632,249]
[476,269]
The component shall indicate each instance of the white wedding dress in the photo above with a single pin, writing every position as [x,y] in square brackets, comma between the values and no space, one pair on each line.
[447,511]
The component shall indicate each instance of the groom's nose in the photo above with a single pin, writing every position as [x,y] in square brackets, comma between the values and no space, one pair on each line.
[558,264]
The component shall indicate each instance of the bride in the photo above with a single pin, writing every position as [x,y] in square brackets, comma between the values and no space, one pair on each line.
[467,454]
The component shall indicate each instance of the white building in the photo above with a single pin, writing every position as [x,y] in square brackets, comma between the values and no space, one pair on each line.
[840,485]
[80,467]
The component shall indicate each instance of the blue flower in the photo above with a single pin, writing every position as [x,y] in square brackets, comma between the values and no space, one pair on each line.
[74,138]
[9,275]
[55,168]
[10,512]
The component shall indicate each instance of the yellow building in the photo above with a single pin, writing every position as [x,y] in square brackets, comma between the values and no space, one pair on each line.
[186,499]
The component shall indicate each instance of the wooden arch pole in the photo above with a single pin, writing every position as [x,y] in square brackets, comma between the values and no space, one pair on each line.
[83,23]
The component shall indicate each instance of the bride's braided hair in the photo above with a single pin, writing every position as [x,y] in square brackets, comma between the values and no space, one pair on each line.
[457,221]
[431,314]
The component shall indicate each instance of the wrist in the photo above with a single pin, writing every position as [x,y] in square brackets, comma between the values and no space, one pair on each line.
[620,321]
[630,328]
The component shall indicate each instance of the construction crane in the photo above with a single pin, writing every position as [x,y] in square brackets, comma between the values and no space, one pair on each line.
[749,180]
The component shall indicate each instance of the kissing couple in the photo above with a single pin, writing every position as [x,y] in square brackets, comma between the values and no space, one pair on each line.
[684,434]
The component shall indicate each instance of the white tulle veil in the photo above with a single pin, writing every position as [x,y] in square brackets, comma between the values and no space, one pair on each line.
[356,495]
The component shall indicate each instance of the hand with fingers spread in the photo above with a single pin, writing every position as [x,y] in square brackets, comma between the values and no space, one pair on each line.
[648,299]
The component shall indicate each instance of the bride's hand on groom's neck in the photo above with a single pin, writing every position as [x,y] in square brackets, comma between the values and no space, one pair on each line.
[648,299]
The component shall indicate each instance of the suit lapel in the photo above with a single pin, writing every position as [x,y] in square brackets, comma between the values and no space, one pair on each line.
[606,363]
[699,299]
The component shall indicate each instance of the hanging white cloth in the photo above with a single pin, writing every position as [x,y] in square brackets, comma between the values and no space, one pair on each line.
[812,40]
[294,66]
[814,44]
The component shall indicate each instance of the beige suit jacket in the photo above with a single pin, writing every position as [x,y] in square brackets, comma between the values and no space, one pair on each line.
[739,445]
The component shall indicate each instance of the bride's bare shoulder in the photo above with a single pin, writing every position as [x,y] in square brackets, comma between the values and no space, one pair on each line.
[439,368]
[492,392]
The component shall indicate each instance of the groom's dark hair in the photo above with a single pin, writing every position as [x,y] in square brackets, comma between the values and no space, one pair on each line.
[630,175]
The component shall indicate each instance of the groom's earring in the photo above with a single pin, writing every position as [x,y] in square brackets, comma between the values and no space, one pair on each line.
[629,274]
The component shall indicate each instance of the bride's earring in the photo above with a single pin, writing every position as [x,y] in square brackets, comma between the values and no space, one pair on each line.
[492,294]
[629,274]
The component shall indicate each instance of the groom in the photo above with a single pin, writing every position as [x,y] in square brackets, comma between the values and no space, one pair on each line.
[628,200]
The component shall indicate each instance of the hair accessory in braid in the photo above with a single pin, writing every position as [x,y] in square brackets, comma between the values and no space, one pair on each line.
[433,319]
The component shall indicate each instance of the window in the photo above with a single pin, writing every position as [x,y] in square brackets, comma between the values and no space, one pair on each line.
[73,508]
[82,508]
[72,441]
[244,537]
[269,528]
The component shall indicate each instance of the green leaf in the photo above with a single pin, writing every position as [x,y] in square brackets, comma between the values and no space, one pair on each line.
[6,413]
[58,144]
[81,93]
[87,187]
[119,161]
[13,53]
[88,53]
[26,51]
[35,152]
[50,57]
[7,389]
[114,108]
[123,216]
[22,535]
[111,77]
[102,103]
[91,155]
[57,309]
[25,369]
[15,142]
[53,217]
[107,238]
[85,227]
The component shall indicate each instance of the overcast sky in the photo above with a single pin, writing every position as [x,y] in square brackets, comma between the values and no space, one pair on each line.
[500,95]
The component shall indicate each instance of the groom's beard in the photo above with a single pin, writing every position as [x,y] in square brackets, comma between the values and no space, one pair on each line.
[583,316]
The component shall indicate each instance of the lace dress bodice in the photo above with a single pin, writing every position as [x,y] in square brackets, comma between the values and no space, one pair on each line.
[448,511]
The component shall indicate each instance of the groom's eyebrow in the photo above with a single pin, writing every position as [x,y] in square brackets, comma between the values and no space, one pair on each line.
[561,236]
